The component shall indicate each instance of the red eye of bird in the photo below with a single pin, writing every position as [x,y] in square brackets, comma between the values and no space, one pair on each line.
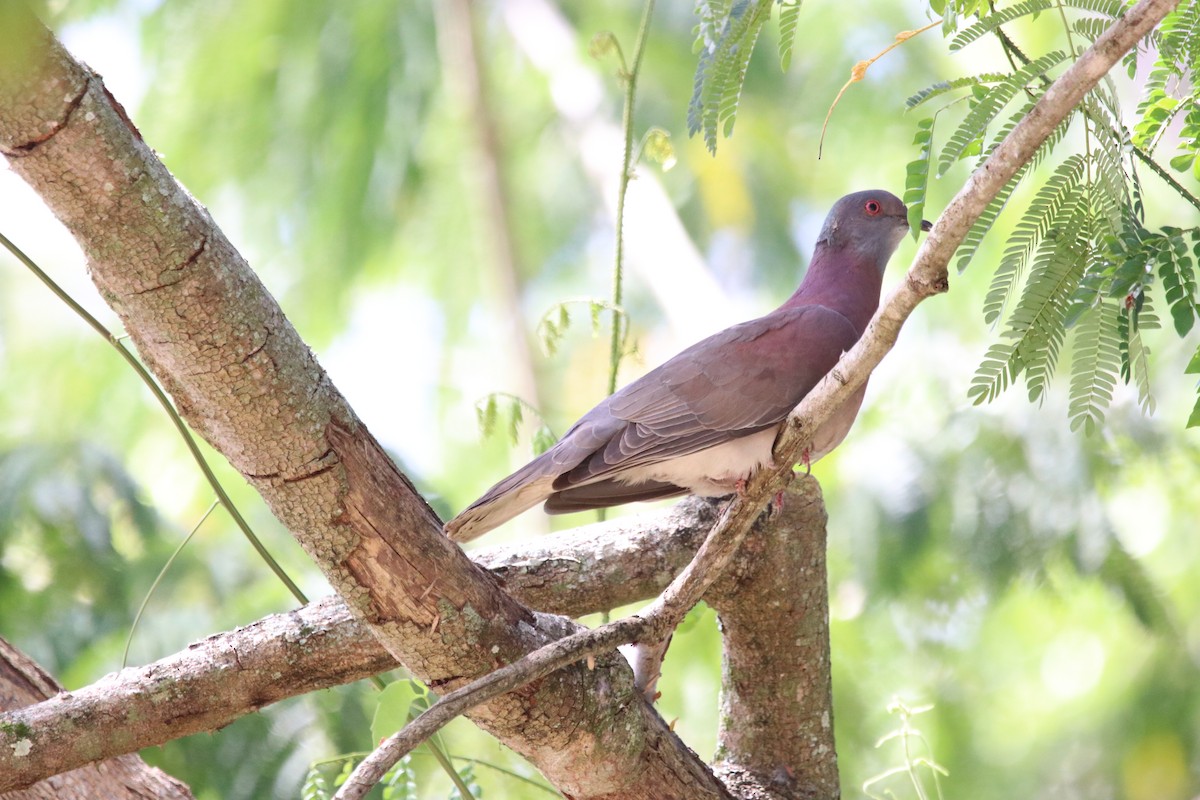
[873,207]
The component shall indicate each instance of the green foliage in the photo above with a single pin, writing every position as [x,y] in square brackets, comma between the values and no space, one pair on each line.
[942,87]
[789,16]
[553,325]
[916,183]
[1060,192]
[1095,367]
[990,103]
[467,773]
[726,35]
[502,411]
[994,20]
[1081,240]
[400,782]
[907,734]
[396,706]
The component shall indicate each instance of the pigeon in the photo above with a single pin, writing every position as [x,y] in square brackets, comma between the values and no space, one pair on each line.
[706,420]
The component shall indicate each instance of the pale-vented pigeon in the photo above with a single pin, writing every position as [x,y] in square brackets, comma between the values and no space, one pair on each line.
[707,419]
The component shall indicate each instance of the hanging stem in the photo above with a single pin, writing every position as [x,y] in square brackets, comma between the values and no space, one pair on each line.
[165,402]
[617,340]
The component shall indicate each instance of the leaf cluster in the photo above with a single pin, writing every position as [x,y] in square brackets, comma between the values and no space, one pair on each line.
[725,38]
[1081,263]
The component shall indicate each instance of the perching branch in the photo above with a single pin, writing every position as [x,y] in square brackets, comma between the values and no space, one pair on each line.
[228,675]
[654,622]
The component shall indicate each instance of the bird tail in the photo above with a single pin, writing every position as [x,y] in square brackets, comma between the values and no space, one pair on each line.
[522,490]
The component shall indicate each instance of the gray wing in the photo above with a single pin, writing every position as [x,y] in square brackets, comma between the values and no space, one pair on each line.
[743,380]
[732,384]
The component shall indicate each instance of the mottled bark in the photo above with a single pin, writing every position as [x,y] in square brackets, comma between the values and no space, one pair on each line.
[23,683]
[776,697]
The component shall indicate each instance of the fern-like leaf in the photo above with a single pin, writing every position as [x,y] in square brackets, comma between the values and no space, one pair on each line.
[1037,326]
[728,32]
[1135,365]
[315,786]
[942,87]
[789,15]
[996,19]
[1094,368]
[400,782]
[916,183]
[984,224]
[999,96]
[1061,263]
[1060,191]
[1178,280]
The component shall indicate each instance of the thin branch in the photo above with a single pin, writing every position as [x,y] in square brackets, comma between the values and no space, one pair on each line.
[630,76]
[167,406]
[1011,50]
[652,623]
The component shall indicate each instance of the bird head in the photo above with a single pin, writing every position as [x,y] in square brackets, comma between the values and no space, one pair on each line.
[868,224]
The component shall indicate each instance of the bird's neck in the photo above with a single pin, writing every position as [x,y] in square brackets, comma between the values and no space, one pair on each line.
[843,281]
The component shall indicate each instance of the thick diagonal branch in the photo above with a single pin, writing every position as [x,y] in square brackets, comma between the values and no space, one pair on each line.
[245,381]
[228,675]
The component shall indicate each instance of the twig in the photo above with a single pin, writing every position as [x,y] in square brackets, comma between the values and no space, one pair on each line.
[167,406]
[653,622]
[630,76]
[860,69]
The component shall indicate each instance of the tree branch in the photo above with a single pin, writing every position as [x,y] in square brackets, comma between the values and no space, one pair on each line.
[245,381]
[228,675]
[776,697]
[125,777]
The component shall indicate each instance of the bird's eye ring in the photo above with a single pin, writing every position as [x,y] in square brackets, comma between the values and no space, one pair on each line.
[872,207]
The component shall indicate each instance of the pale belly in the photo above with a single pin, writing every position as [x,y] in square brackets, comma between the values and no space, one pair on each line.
[716,471]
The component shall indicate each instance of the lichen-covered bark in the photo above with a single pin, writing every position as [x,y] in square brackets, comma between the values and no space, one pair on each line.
[23,683]
[243,379]
[776,699]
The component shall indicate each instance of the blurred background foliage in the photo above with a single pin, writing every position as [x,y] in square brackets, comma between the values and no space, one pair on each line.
[1036,586]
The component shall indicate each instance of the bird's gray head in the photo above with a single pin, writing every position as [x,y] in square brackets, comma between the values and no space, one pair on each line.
[869,224]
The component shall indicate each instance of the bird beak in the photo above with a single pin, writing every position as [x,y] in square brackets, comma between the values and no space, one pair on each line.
[926,225]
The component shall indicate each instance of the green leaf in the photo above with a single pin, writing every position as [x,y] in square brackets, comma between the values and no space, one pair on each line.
[395,707]
[992,103]
[400,782]
[996,19]
[315,787]
[604,43]
[1095,367]
[1183,162]
[1061,190]
[916,182]
[1193,367]
[657,146]
[789,15]
[942,87]
[1194,418]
